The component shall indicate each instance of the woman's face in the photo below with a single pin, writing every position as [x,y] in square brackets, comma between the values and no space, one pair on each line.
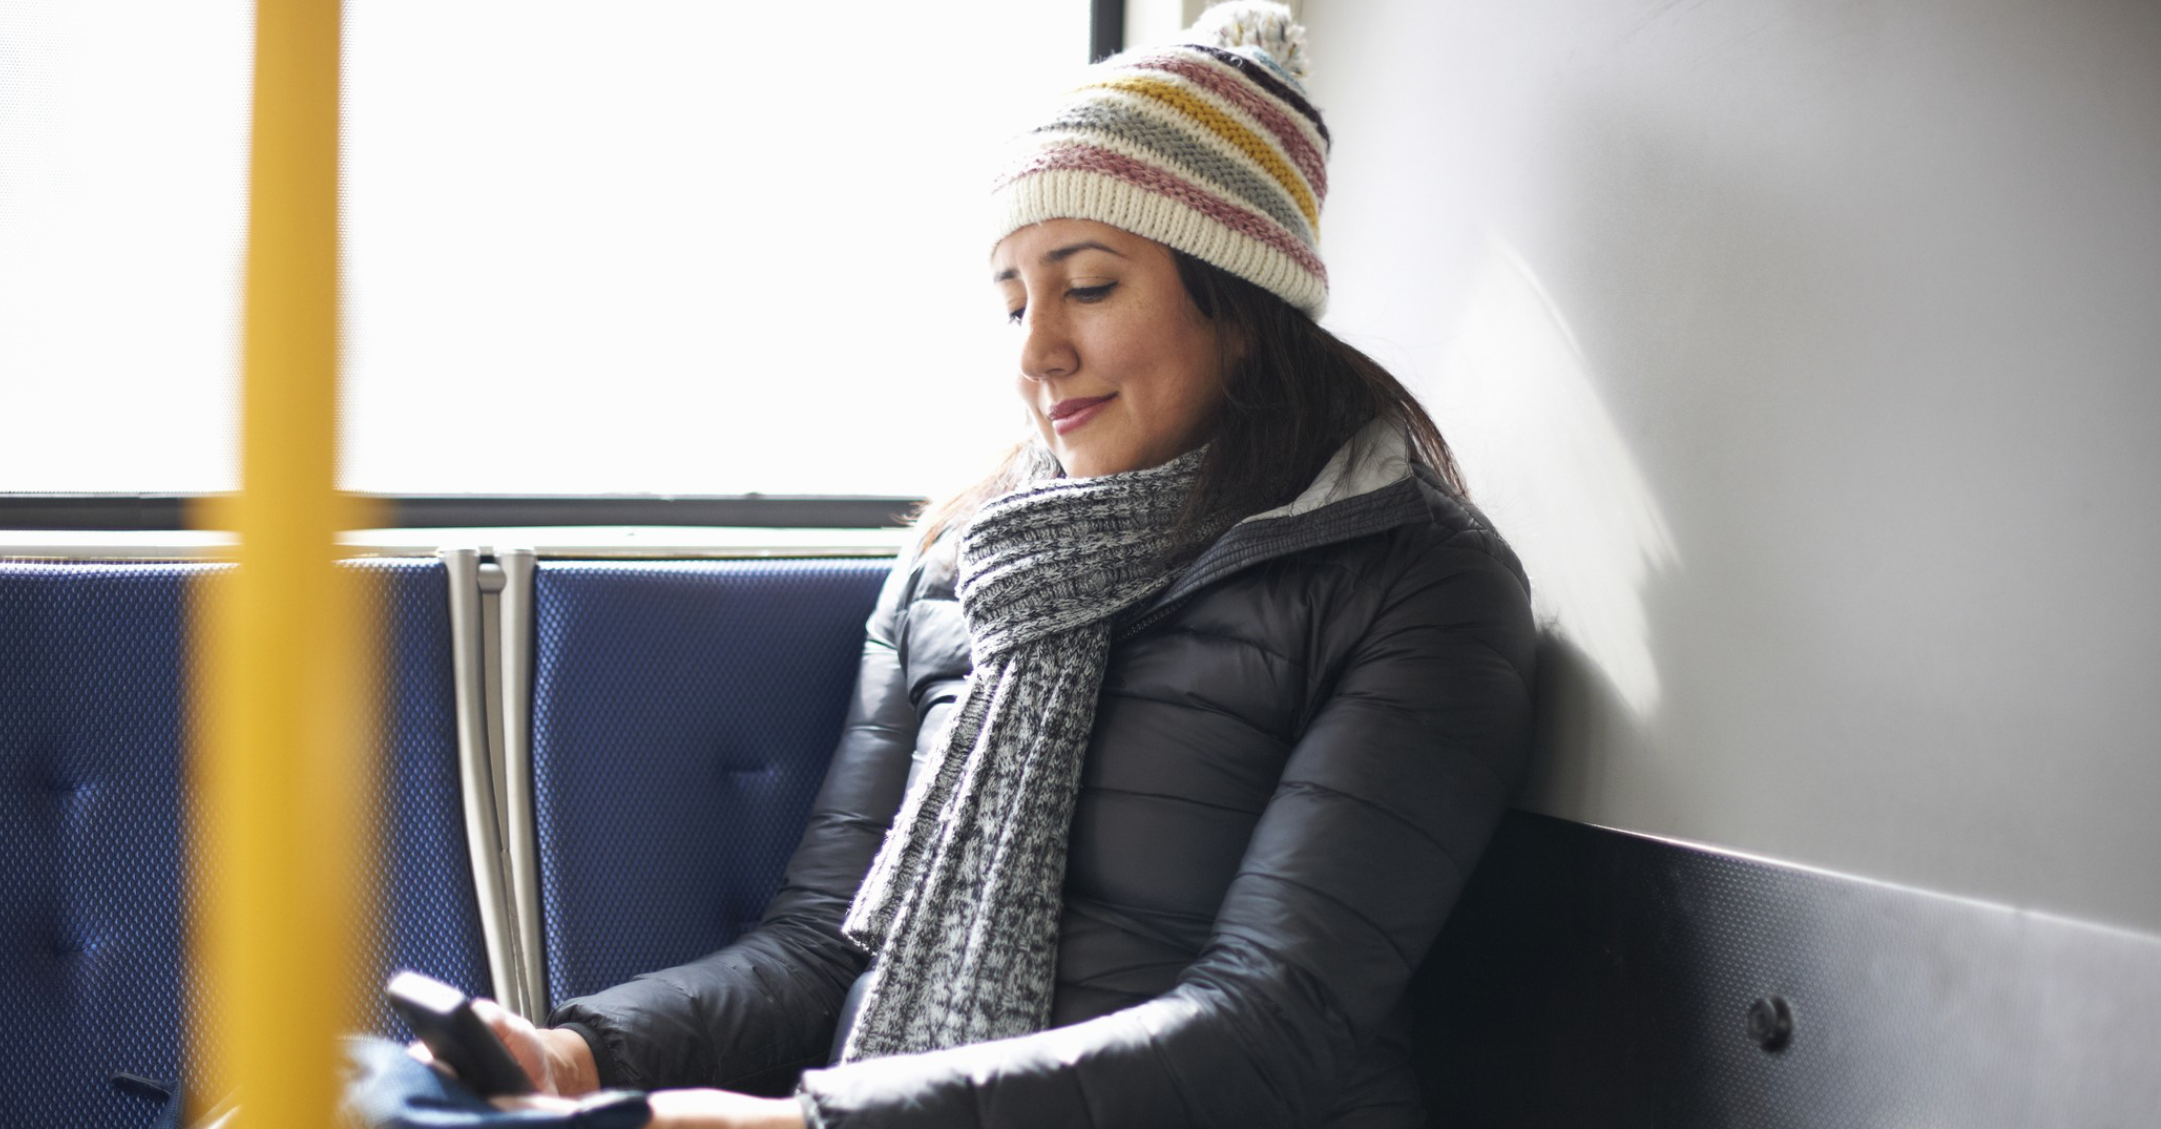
[1118,368]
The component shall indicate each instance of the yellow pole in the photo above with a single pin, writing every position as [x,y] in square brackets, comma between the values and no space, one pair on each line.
[282,760]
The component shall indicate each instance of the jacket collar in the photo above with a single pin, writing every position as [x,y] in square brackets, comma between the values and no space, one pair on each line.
[1367,486]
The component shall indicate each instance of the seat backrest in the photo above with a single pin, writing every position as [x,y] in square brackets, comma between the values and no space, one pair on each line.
[683,715]
[1593,977]
[92,836]
[94,691]
[428,915]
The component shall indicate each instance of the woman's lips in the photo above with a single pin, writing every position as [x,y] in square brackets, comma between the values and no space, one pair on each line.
[1065,415]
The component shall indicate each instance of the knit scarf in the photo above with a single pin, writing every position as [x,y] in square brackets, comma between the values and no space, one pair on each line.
[961,905]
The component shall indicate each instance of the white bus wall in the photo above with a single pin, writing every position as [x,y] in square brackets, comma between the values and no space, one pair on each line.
[1810,353]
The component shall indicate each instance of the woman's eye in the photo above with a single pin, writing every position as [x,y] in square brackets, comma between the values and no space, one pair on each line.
[1082,294]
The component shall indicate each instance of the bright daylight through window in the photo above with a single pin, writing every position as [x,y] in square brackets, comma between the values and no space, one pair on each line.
[649,247]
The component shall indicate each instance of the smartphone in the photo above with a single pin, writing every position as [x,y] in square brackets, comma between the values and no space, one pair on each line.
[442,1017]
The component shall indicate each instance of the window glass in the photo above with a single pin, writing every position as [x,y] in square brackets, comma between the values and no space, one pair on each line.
[123,180]
[640,247]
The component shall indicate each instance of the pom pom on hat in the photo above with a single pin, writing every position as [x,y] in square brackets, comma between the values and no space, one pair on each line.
[1208,146]
[1258,24]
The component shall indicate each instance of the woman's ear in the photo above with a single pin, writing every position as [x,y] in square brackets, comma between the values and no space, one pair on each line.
[1232,346]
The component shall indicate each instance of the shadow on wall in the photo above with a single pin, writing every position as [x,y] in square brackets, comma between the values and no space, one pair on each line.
[1546,457]
[1582,724]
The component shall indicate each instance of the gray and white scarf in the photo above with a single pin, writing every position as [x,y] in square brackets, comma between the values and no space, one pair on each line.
[961,905]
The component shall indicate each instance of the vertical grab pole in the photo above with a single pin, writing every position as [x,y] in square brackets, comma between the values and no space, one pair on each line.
[283,760]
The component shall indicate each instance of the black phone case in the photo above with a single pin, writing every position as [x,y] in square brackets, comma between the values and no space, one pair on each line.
[459,1039]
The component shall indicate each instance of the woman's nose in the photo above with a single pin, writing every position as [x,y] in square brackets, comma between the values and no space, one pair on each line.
[1046,351]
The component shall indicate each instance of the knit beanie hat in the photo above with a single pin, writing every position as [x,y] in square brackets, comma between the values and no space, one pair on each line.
[1208,146]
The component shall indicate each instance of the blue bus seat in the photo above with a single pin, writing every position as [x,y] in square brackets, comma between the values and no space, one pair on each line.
[683,715]
[429,915]
[94,705]
[92,837]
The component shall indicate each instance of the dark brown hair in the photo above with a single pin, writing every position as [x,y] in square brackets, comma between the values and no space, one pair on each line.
[1292,394]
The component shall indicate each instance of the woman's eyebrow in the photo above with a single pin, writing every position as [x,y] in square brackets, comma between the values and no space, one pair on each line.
[1058,255]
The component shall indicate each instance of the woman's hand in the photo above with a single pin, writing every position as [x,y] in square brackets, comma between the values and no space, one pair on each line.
[556,1061]
[690,1109]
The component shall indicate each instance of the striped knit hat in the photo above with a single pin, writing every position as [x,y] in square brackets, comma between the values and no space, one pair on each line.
[1207,146]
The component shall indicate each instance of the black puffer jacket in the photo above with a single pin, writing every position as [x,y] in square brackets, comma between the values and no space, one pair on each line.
[1299,751]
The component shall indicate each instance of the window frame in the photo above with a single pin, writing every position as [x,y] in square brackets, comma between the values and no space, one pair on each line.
[169,512]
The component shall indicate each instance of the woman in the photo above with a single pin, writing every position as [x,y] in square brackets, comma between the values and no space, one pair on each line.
[1201,705]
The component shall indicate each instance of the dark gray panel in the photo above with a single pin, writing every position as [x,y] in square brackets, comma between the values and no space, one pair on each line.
[1592,977]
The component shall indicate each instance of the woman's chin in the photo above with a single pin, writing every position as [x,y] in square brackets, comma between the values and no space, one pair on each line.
[1085,464]
[1088,469]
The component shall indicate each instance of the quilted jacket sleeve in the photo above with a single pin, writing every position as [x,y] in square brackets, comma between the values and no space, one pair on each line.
[750,1016]
[1386,802]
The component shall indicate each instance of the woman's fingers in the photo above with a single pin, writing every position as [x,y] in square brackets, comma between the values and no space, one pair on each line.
[548,1103]
[521,1039]
[681,1109]
[721,1109]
